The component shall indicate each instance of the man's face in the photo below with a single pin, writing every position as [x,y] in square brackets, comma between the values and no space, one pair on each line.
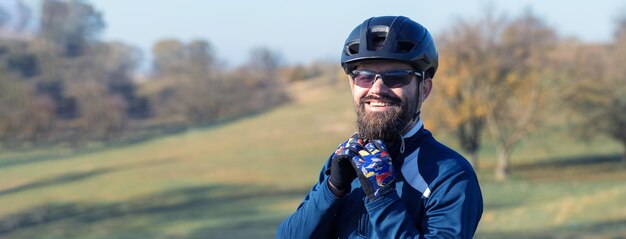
[383,112]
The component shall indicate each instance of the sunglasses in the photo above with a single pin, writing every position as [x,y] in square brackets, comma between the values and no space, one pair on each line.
[392,79]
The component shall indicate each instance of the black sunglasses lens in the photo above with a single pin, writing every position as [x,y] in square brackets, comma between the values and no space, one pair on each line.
[394,79]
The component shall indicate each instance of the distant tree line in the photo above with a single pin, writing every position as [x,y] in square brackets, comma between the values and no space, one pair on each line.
[61,83]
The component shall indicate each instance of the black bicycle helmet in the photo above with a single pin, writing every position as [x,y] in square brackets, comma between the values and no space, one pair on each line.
[391,38]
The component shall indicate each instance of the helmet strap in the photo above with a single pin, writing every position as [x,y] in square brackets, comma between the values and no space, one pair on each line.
[420,93]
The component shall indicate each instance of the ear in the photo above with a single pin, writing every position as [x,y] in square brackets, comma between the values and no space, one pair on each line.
[427,87]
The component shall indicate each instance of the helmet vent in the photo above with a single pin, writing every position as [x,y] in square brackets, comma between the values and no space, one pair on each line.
[404,46]
[378,35]
[352,48]
[378,42]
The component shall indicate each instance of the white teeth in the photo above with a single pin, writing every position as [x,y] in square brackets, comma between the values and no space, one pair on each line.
[378,104]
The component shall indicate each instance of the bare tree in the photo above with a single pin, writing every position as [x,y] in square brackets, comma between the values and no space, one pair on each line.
[598,92]
[516,92]
[492,76]
[71,25]
[169,58]
[467,56]
[262,69]
[26,116]
[188,77]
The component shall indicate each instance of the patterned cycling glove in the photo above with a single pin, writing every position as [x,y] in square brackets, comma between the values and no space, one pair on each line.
[374,170]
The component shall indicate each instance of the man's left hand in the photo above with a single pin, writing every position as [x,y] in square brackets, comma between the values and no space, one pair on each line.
[374,170]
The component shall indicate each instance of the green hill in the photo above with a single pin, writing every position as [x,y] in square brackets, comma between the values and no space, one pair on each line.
[239,179]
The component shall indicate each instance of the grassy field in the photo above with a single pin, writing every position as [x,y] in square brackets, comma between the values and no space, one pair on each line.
[238,180]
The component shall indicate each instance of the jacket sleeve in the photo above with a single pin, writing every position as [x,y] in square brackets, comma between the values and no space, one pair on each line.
[452,210]
[315,216]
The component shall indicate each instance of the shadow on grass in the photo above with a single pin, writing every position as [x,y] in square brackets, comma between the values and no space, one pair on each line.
[606,229]
[578,161]
[231,211]
[67,178]
[589,167]
[77,176]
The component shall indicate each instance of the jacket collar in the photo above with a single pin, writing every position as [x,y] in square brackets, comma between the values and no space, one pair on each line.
[410,141]
[414,130]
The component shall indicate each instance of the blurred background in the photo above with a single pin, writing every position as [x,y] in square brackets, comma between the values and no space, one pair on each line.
[204,119]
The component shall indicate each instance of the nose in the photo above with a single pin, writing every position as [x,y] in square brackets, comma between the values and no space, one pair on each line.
[379,87]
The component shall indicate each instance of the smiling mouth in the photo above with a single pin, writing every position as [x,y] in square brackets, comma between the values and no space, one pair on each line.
[379,104]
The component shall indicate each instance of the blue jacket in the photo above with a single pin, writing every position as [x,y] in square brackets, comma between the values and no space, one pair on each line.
[437,196]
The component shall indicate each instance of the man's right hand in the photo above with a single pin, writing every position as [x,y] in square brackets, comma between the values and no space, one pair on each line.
[341,171]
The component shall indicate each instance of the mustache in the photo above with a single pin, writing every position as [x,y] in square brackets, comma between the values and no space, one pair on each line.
[381,98]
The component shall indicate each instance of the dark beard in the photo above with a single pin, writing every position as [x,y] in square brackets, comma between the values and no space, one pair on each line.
[386,126]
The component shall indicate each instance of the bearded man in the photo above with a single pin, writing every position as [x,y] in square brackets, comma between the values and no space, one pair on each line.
[391,179]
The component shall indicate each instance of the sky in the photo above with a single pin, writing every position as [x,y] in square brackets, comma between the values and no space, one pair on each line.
[305,31]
